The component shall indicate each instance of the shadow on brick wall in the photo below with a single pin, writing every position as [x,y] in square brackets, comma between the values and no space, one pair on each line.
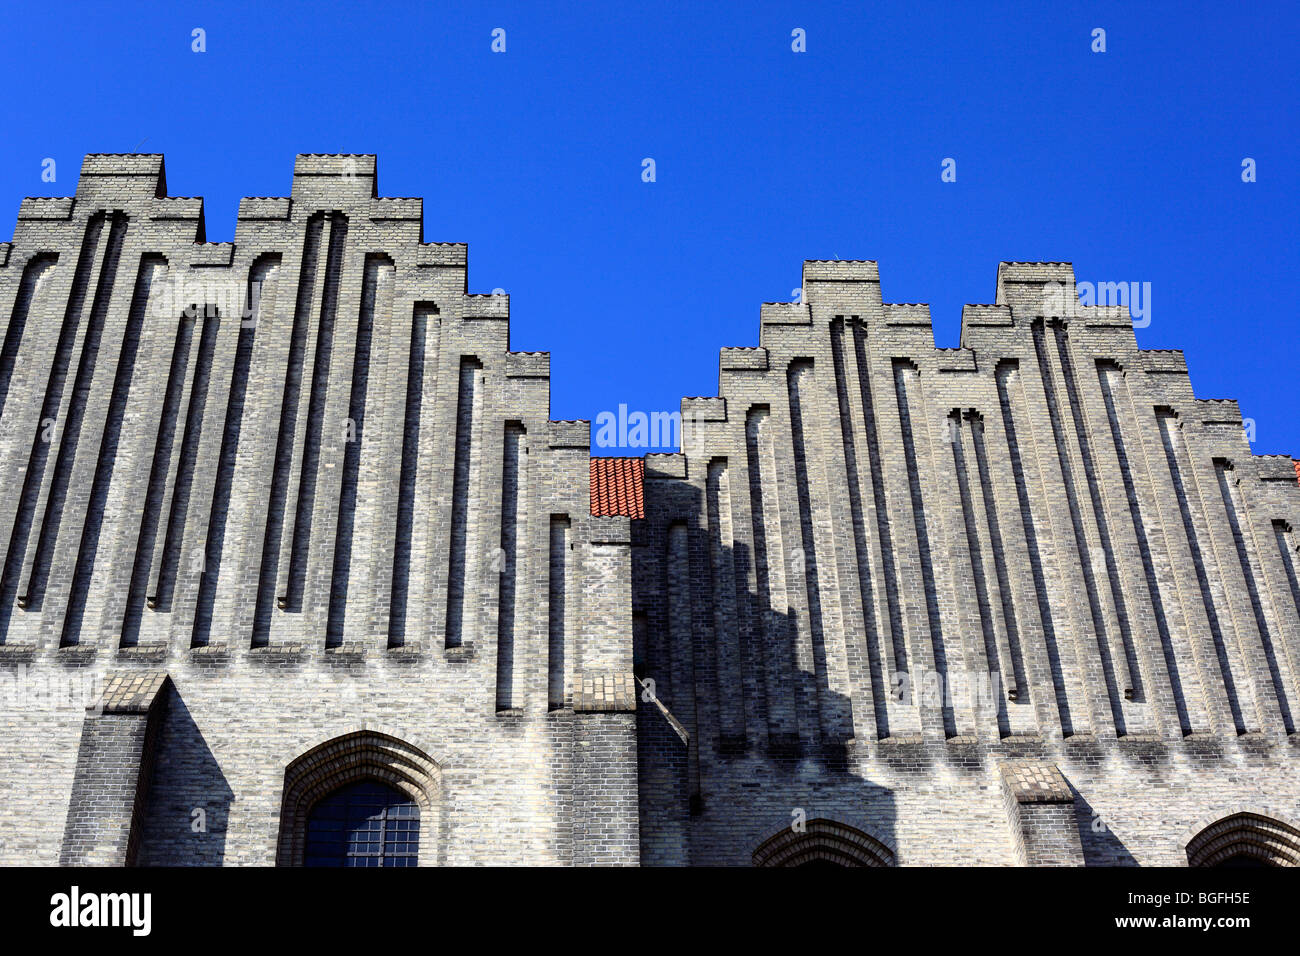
[733,775]
[1101,847]
[189,799]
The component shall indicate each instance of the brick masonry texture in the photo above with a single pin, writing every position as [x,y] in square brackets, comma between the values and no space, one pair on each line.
[286,512]
[882,579]
[302,475]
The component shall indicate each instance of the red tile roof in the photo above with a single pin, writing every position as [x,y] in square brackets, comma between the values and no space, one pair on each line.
[618,487]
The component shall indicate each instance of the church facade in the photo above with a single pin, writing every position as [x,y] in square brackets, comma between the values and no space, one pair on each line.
[299,571]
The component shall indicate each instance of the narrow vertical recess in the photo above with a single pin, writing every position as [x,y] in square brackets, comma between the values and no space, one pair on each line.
[426,602]
[1112,381]
[731,714]
[1284,536]
[157,500]
[558,610]
[33,480]
[514,493]
[35,275]
[835,725]
[1086,567]
[167,453]
[378,269]
[1171,437]
[467,431]
[514,476]
[1014,668]
[769,564]
[1236,509]
[997,657]
[420,321]
[1123,649]
[1008,378]
[281,476]
[186,462]
[892,636]
[258,289]
[291,596]
[151,267]
[860,539]
[36,567]
[905,382]
[681,699]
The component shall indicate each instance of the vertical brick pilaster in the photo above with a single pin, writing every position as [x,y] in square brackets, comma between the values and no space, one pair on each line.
[1040,805]
[114,762]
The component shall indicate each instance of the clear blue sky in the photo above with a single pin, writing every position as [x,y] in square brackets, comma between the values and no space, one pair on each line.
[1126,163]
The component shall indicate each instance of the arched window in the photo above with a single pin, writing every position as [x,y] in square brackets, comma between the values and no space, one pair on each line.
[1246,838]
[823,843]
[366,798]
[363,824]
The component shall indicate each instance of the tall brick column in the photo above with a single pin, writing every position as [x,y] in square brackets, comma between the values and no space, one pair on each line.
[114,762]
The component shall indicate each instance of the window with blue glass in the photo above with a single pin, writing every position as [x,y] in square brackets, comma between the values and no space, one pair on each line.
[363,824]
